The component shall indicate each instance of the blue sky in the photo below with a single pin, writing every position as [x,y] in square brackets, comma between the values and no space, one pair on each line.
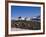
[23,11]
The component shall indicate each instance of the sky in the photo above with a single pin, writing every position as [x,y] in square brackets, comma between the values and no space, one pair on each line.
[23,11]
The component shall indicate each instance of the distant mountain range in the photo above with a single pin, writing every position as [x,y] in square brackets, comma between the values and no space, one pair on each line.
[37,18]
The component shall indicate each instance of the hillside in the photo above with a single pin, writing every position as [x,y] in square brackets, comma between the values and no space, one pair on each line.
[23,24]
